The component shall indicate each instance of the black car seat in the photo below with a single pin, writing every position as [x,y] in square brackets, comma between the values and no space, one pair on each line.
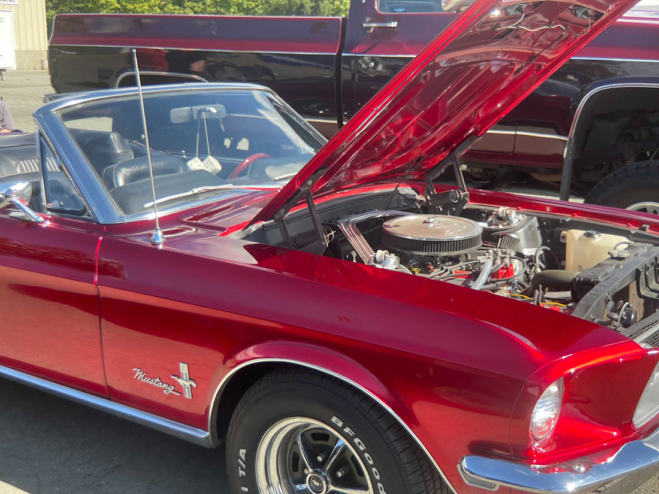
[103,149]
[138,169]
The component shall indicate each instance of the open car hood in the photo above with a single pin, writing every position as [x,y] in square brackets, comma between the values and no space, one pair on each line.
[460,85]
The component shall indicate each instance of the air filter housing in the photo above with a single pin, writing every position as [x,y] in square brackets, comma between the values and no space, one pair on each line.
[431,234]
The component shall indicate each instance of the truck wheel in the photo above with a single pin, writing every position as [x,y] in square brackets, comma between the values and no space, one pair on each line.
[634,186]
[300,432]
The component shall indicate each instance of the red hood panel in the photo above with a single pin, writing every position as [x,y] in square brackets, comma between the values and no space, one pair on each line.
[462,83]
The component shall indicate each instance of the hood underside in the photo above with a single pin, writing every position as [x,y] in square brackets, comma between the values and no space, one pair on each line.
[460,85]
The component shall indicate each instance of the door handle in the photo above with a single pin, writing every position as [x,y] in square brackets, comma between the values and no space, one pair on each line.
[372,25]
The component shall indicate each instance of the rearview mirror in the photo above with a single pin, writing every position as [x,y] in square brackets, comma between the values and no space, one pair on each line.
[192,113]
[19,195]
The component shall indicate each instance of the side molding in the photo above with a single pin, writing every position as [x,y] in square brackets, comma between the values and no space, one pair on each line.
[176,429]
[212,416]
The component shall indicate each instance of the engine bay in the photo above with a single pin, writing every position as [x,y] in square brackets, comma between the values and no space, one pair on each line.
[596,272]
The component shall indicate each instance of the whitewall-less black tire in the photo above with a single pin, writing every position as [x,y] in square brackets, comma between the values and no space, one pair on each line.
[297,431]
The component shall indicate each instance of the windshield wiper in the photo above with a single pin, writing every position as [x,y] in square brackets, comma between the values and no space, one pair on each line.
[206,188]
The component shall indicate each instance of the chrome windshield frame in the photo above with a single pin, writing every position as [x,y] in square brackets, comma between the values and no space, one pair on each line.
[103,208]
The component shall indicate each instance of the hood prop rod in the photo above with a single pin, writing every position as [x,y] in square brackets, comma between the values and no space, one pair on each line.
[451,201]
[280,217]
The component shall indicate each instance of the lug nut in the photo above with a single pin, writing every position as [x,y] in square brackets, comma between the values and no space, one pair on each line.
[341,472]
[320,458]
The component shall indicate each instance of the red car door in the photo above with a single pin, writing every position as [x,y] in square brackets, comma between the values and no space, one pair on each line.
[48,297]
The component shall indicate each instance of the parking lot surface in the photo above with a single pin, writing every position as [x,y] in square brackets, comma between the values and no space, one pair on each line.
[49,445]
[23,91]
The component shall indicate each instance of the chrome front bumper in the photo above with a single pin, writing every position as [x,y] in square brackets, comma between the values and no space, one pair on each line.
[577,476]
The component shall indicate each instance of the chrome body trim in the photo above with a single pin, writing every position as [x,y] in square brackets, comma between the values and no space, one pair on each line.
[212,416]
[158,73]
[501,132]
[176,429]
[352,234]
[581,475]
[526,134]
[541,136]
[568,154]
[375,55]
[151,47]
[643,60]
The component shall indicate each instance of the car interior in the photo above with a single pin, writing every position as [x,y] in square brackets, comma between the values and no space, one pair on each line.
[196,140]
[196,144]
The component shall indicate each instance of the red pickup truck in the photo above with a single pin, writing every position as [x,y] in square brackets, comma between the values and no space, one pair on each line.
[593,127]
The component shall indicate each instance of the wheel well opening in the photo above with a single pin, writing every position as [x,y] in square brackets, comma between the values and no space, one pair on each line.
[233,391]
[616,127]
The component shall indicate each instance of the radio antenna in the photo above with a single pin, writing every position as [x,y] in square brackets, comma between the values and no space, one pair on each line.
[158,236]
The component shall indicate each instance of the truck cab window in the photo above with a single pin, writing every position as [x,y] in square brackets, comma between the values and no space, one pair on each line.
[410,6]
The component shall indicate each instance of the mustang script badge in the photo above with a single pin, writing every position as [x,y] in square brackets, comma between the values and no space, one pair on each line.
[155,381]
[184,380]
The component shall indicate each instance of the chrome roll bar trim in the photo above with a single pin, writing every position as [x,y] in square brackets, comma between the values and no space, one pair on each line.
[176,429]
[577,476]
[80,98]
[212,416]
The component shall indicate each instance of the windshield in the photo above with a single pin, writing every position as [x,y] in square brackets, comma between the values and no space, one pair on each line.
[202,143]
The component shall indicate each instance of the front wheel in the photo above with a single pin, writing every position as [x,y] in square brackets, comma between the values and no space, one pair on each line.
[634,187]
[299,432]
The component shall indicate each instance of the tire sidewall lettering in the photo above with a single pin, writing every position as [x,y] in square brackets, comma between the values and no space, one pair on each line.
[359,445]
[242,469]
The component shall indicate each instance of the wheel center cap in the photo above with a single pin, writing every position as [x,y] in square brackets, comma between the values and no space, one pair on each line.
[316,484]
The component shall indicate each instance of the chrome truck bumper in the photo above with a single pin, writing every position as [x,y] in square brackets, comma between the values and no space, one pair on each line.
[631,466]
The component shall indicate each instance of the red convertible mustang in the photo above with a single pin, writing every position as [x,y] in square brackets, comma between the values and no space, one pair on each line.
[342,322]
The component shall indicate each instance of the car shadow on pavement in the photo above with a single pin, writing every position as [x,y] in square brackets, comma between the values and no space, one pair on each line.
[49,445]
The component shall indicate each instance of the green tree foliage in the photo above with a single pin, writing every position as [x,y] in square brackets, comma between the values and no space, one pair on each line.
[217,7]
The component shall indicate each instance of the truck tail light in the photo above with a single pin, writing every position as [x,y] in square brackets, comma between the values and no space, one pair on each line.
[648,405]
[546,412]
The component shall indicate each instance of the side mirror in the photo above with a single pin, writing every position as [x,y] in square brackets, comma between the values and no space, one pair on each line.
[19,195]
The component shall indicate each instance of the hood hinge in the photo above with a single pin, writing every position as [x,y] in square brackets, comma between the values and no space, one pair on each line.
[452,201]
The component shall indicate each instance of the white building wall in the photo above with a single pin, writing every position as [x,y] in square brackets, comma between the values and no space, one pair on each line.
[30,32]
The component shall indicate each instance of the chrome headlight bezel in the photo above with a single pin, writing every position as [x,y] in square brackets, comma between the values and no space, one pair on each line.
[546,411]
[648,405]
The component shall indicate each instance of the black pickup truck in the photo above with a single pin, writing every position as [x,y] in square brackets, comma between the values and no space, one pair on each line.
[593,127]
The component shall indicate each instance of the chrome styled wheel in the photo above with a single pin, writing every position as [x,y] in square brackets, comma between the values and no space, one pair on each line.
[300,455]
[296,431]
[645,207]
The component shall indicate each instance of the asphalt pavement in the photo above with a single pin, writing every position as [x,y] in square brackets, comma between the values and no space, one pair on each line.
[49,445]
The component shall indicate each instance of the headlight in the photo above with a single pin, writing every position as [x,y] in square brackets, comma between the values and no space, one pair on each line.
[648,405]
[545,413]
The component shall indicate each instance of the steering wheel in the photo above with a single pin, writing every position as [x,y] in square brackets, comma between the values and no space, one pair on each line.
[246,162]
